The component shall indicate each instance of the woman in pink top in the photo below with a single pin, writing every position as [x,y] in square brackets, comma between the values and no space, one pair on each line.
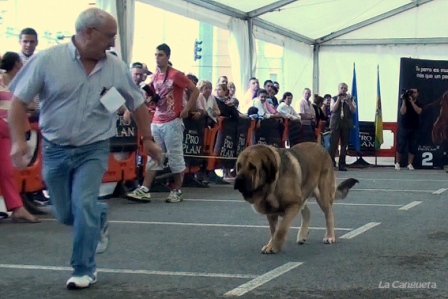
[11,64]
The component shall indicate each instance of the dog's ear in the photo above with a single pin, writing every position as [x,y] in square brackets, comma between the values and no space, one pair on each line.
[270,168]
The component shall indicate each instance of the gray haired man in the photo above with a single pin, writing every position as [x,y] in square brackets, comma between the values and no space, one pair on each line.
[76,125]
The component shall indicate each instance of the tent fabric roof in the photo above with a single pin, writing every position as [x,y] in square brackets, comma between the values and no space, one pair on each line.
[321,21]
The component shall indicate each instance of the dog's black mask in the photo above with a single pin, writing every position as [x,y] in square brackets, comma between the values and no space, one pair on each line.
[244,185]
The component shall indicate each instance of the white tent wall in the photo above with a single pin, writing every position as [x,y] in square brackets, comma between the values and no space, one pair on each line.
[425,21]
[297,69]
[189,10]
[336,66]
[336,59]
[297,62]
[241,52]
[123,11]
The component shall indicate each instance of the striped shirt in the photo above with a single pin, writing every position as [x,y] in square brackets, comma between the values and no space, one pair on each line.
[71,112]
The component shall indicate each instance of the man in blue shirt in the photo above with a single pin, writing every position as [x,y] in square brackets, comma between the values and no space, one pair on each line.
[76,127]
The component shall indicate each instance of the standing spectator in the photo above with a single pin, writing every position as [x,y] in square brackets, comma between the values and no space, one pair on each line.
[277,85]
[28,43]
[272,97]
[250,94]
[306,109]
[267,85]
[232,90]
[11,64]
[410,109]
[341,122]
[223,80]
[167,125]
[137,73]
[321,118]
[199,111]
[146,72]
[76,128]
[326,109]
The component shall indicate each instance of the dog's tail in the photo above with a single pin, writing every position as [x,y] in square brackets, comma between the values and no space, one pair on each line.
[344,187]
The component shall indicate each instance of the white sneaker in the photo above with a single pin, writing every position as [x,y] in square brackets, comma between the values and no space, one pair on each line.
[175,196]
[141,194]
[397,166]
[410,167]
[81,282]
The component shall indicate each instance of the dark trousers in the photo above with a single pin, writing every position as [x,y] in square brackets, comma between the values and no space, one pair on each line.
[342,134]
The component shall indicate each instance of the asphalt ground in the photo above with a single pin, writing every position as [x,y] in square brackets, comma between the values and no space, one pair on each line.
[392,242]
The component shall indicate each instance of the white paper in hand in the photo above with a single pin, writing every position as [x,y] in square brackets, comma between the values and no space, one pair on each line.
[112,100]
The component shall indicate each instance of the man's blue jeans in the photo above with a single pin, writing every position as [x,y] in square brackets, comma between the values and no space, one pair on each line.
[73,177]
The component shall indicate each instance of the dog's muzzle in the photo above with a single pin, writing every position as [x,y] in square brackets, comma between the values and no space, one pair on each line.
[243,184]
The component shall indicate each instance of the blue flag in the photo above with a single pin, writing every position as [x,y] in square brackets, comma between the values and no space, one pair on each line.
[354,133]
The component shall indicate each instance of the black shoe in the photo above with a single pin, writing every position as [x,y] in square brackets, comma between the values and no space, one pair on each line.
[342,168]
[214,178]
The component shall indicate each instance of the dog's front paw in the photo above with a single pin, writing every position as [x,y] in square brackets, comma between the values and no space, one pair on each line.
[301,241]
[271,248]
[268,249]
[329,240]
[301,238]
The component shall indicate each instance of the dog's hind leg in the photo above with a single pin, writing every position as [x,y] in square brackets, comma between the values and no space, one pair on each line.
[329,221]
[304,226]
[282,228]
[325,201]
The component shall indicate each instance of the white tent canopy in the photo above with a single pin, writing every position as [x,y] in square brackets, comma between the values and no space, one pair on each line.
[322,39]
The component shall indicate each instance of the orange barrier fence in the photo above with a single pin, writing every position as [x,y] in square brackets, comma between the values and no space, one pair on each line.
[30,179]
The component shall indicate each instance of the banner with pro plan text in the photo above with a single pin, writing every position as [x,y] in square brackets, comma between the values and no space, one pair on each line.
[430,77]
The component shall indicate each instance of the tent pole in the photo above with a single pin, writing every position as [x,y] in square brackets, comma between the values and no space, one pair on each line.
[250,27]
[316,50]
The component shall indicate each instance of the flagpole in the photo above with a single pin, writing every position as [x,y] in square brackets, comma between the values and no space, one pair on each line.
[354,132]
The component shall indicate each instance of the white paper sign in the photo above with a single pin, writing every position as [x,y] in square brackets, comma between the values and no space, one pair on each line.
[112,100]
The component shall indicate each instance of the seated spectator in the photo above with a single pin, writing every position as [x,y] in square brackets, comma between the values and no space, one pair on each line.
[264,108]
[226,107]
[208,102]
[285,109]
[221,80]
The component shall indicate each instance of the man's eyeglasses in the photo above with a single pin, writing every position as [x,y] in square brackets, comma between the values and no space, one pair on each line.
[108,35]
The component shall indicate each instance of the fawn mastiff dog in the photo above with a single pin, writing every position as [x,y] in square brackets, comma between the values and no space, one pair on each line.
[277,182]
